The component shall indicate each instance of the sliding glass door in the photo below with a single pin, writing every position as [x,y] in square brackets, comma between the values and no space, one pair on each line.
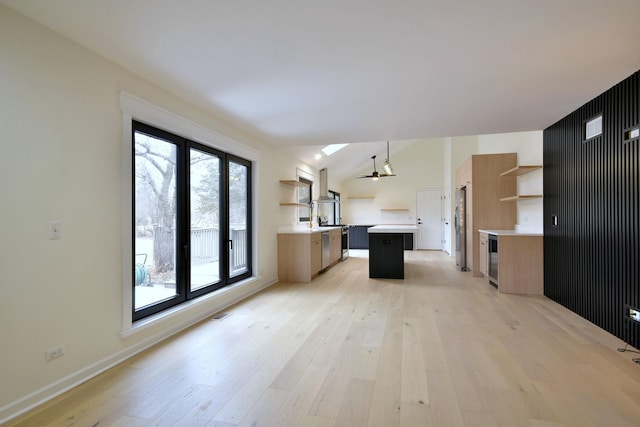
[155,239]
[192,231]
[204,210]
[239,214]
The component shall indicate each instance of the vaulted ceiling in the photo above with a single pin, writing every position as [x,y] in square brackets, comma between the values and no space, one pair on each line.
[303,73]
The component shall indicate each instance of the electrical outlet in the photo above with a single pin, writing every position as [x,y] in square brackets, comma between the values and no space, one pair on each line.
[54,353]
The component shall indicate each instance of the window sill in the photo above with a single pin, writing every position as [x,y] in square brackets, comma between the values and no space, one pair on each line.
[167,315]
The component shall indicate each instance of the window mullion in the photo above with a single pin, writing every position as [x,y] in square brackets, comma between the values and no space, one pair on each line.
[182,222]
[224,225]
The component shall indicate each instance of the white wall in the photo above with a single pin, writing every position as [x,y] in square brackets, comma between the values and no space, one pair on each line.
[62,142]
[462,147]
[420,165]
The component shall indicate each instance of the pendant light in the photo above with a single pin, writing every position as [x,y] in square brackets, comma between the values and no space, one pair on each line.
[387,166]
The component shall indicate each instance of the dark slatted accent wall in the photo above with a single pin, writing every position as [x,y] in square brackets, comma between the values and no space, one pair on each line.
[592,257]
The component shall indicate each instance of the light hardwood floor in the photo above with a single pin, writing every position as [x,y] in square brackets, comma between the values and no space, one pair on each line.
[440,348]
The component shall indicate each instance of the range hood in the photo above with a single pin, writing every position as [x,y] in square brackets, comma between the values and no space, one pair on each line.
[324,188]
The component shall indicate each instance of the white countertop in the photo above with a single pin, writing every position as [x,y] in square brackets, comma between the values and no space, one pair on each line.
[511,233]
[393,229]
[301,229]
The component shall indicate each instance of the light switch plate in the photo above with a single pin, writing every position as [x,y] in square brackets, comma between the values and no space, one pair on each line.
[55,230]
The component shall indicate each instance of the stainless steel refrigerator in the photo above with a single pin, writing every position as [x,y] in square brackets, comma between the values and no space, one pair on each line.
[461,228]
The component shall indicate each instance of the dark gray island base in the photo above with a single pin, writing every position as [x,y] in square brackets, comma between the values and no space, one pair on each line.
[386,251]
[359,238]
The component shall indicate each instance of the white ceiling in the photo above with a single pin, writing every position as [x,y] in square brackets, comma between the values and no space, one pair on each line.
[310,73]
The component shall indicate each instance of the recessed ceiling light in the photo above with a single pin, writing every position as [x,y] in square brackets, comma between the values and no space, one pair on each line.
[318,156]
[332,148]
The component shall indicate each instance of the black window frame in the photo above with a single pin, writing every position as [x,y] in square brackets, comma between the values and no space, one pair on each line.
[337,214]
[249,222]
[304,214]
[183,254]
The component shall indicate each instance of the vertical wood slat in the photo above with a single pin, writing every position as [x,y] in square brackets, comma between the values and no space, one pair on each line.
[592,257]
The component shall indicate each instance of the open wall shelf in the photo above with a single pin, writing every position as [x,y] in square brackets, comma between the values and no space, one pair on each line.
[293,183]
[517,171]
[521,170]
[521,197]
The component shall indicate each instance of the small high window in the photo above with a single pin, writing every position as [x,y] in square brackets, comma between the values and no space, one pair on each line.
[632,133]
[593,127]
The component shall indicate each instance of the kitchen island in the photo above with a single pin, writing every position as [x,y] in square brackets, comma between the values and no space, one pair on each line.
[386,250]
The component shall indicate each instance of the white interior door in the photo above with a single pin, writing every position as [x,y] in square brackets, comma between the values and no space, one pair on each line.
[429,219]
[446,218]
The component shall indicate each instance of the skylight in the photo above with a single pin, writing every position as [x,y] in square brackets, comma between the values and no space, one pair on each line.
[332,148]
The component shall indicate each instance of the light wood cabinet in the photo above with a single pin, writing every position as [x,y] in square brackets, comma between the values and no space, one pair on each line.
[483,256]
[335,246]
[480,175]
[521,264]
[299,256]
[316,255]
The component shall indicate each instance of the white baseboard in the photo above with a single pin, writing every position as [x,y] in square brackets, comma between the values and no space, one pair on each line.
[55,389]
